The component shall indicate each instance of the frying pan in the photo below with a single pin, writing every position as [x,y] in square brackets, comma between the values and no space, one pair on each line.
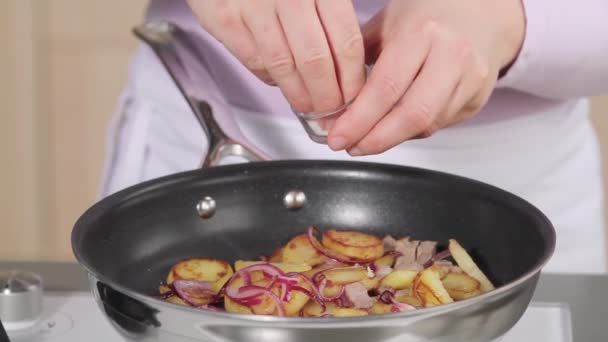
[128,241]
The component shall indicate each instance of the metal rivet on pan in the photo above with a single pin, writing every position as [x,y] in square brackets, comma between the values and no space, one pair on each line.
[206,207]
[294,199]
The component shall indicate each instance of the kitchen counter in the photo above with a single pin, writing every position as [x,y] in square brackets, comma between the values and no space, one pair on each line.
[586,295]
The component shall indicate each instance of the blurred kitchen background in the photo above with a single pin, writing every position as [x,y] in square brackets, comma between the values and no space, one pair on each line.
[63,64]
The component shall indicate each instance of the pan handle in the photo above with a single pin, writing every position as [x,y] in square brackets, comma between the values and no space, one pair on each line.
[178,51]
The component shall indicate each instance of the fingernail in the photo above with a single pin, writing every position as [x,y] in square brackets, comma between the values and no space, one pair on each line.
[355,152]
[337,143]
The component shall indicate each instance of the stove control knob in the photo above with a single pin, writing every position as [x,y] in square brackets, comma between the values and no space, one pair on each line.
[20,299]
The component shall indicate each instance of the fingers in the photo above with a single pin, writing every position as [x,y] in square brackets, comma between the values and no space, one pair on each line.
[222,19]
[341,26]
[385,86]
[417,114]
[311,52]
[468,97]
[275,52]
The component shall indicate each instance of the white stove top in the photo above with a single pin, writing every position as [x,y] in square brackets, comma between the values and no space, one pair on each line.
[75,317]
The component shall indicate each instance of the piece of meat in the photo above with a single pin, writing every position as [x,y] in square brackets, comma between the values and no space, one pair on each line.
[409,266]
[357,295]
[447,266]
[425,251]
[407,260]
[407,248]
[389,243]
[382,271]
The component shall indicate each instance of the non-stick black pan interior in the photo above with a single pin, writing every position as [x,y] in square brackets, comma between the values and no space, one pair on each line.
[133,237]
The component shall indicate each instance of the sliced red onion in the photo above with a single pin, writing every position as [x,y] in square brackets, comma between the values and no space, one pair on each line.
[245,292]
[193,291]
[285,296]
[373,266]
[321,289]
[251,292]
[342,301]
[388,297]
[249,301]
[318,277]
[438,256]
[245,272]
[325,251]
[287,280]
[401,306]
[393,253]
[246,278]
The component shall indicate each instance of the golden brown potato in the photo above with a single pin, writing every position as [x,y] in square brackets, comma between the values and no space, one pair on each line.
[162,289]
[176,300]
[398,280]
[349,312]
[428,288]
[277,256]
[466,263]
[234,307]
[408,299]
[297,299]
[218,272]
[371,283]
[387,260]
[266,307]
[287,268]
[322,267]
[313,309]
[332,291]
[346,275]
[356,245]
[299,251]
[296,302]
[381,308]
[461,286]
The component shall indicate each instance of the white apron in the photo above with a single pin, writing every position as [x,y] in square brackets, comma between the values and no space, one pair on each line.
[550,159]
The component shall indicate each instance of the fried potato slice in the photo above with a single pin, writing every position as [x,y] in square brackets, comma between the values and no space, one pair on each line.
[299,251]
[234,307]
[466,263]
[386,260]
[287,268]
[408,299]
[267,305]
[349,312]
[218,272]
[313,309]
[398,280]
[176,300]
[381,308]
[346,275]
[461,286]
[428,288]
[293,306]
[277,256]
[371,283]
[356,245]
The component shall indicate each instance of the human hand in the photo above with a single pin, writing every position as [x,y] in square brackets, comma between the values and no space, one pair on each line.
[312,50]
[436,64]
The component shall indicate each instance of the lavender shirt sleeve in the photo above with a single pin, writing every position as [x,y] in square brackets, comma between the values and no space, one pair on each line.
[565,52]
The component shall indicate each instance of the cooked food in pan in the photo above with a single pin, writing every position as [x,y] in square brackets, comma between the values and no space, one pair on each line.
[347,273]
